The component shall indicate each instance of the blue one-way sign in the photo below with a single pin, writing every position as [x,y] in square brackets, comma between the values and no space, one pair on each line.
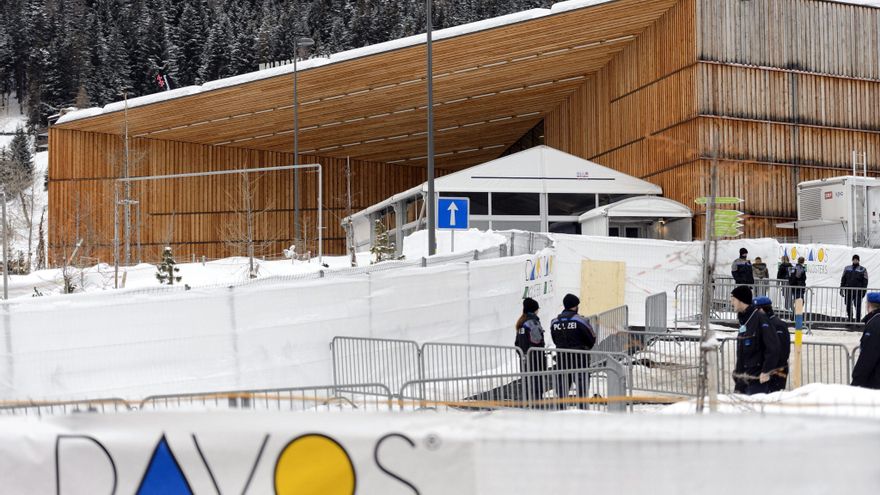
[453,213]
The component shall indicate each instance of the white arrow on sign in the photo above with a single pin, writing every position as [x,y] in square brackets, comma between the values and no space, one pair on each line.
[452,209]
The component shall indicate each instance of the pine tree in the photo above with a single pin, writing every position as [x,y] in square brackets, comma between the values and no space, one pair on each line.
[17,164]
[167,268]
[383,249]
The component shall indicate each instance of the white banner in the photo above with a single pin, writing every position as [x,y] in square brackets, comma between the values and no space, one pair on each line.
[391,454]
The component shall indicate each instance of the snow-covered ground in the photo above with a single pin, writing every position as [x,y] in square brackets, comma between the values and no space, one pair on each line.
[223,272]
[816,398]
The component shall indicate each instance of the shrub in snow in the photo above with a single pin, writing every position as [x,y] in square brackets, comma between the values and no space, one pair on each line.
[168,268]
[383,249]
[290,253]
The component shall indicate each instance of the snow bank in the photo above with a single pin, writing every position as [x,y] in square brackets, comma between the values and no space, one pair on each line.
[415,245]
[815,399]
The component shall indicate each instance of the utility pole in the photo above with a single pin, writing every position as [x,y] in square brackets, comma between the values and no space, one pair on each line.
[431,200]
[5,250]
[348,212]
[127,190]
[708,342]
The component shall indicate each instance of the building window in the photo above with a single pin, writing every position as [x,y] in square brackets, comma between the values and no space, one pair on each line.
[479,200]
[516,204]
[570,204]
[565,227]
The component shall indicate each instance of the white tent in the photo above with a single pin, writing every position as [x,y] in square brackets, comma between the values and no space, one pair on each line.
[642,217]
[539,189]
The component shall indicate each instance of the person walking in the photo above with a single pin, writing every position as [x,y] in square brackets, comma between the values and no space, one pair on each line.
[530,335]
[854,277]
[779,376]
[757,346]
[797,279]
[761,274]
[571,331]
[741,269]
[866,372]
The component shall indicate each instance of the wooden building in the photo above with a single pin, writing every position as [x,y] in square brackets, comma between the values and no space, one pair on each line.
[788,89]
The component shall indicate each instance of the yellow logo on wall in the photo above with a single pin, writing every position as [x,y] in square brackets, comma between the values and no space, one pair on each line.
[314,464]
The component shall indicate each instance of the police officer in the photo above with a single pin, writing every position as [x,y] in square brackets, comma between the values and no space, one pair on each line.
[757,346]
[741,269]
[854,277]
[572,331]
[867,370]
[779,376]
[530,335]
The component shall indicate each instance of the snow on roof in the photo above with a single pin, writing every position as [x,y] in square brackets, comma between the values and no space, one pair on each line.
[541,169]
[452,32]
[387,46]
[642,206]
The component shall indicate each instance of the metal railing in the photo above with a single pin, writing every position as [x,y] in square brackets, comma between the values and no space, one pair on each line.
[362,397]
[527,390]
[821,362]
[655,313]
[608,323]
[824,307]
[444,360]
[367,360]
[49,408]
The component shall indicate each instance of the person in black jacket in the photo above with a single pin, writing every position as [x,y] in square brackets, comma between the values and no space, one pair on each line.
[782,273]
[854,277]
[797,279]
[757,347]
[530,335]
[741,269]
[780,374]
[866,373]
[572,331]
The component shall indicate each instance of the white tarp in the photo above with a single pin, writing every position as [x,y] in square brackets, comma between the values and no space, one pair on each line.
[390,454]
[262,336]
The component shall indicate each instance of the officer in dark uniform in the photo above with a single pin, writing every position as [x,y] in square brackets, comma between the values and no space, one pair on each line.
[530,335]
[572,331]
[779,376]
[854,277]
[867,370]
[757,346]
[741,269]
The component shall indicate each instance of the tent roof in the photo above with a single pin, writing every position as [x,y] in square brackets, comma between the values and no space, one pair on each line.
[644,206]
[535,170]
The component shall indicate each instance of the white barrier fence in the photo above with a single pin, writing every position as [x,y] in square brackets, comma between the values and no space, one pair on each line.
[257,336]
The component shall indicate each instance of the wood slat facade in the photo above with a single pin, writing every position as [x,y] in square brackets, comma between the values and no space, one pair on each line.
[790,87]
[787,88]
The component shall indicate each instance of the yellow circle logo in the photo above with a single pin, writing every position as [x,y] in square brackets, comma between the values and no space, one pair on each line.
[821,255]
[794,255]
[314,465]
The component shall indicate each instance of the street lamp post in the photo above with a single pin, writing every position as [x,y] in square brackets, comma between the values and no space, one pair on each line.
[431,200]
[298,42]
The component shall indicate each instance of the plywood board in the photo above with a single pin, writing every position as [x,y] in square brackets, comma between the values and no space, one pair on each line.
[602,286]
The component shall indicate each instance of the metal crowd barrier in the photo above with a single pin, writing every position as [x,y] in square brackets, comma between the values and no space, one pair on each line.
[442,360]
[820,363]
[367,360]
[48,408]
[824,307]
[605,390]
[363,397]
[609,322]
[655,313]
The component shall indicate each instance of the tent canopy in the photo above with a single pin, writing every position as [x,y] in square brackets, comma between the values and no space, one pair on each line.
[541,169]
[643,206]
